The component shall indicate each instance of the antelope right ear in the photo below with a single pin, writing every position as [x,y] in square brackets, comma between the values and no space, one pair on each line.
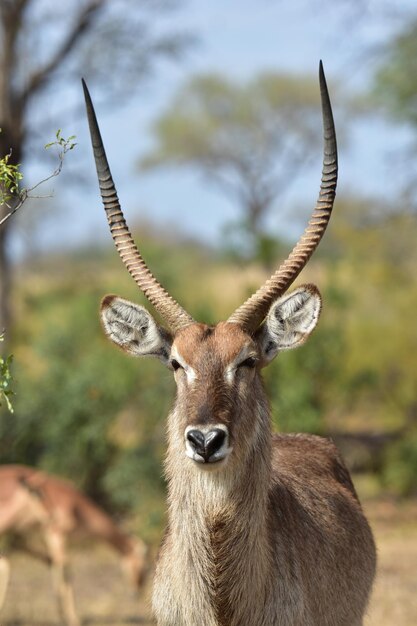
[290,321]
[133,329]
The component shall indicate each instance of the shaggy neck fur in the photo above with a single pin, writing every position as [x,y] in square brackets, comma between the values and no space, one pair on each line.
[216,548]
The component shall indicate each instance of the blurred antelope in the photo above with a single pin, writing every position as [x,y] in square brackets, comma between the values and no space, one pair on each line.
[263,529]
[31,499]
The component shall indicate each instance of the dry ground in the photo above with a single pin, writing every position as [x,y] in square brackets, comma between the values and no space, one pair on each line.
[103,595]
[394,600]
[104,598]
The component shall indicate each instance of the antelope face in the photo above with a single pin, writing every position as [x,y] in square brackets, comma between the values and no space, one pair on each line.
[214,369]
[217,370]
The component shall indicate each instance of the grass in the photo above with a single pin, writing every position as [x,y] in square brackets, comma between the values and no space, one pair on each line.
[104,597]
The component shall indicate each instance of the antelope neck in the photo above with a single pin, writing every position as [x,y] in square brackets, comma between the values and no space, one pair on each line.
[218,523]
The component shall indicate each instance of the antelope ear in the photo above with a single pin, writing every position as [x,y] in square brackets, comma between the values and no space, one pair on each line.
[290,321]
[133,329]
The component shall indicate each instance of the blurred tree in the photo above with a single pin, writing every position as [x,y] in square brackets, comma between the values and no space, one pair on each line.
[43,44]
[373,252]
[395,91]
[250,140]
[395,82]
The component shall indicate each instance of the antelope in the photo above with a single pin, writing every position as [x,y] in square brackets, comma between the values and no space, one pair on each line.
[263,529]
[33,500]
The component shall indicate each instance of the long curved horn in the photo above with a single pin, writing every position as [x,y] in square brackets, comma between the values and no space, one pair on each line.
[252,312]
[173,314]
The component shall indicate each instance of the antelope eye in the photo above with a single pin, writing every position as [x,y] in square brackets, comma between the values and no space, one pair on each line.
[175,365]
[249,362]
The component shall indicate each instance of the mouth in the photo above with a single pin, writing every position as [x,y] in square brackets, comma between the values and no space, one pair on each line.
[210,466]
[214,459]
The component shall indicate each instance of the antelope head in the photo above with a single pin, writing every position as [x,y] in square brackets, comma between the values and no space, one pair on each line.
[220,404]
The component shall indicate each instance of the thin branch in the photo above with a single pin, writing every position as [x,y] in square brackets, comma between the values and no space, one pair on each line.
[25,194]
[81,25]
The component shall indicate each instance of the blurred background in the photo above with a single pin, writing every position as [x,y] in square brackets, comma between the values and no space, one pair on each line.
[210,113]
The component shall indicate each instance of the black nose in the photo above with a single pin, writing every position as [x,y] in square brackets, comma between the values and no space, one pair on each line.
[206,444]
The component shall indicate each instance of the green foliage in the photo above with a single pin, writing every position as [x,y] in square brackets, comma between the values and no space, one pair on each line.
[10,177]
[395,84]
[6,379]
[63,144]
[400,469]
[375,265]
[11,194]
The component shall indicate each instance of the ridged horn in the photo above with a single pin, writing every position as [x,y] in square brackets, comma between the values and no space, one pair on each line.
[171,312]
[252,312]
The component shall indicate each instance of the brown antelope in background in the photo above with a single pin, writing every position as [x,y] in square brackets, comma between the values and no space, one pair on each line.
[263,529]
[33,500]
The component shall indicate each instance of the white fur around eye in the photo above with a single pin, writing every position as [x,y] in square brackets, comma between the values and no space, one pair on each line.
[189,371]
[245,353]
[229,374]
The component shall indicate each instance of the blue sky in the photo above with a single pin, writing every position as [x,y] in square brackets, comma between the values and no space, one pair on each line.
[238,38]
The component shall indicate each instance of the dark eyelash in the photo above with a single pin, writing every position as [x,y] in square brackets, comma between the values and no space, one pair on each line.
[175,365]
[249,362]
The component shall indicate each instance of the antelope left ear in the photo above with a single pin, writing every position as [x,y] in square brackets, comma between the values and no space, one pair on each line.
[290,321]
[133,329]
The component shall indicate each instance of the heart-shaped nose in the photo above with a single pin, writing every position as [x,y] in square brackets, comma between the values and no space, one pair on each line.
[206,444]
